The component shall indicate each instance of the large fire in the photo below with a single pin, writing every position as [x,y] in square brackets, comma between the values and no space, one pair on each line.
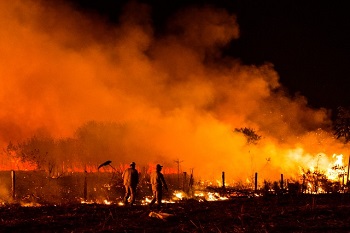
[73,97]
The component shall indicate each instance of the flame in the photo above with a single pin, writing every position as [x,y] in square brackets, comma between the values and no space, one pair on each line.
[337,169]
[14,162]
[210,196]
[333,170]
[121,203]
[30,204]
[146,201]
[106,202]
[323,170]
[87,202]
[179,195]
[155,99]
[98,201]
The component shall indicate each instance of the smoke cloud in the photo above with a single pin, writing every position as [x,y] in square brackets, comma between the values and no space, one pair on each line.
[175,95]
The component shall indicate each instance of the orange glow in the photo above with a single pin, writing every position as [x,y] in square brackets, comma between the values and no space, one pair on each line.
[93,92]
[165,170]
[15,163]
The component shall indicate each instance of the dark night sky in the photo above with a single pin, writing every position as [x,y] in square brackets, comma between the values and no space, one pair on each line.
[307,41]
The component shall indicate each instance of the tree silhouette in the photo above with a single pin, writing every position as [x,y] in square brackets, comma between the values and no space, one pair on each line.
[251,136]
[252,139]
[342,124]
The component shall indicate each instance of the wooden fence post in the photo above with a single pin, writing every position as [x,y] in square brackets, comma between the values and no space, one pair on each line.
[13,182]
[282,183]
[256,182]
[184,183]
[85,186]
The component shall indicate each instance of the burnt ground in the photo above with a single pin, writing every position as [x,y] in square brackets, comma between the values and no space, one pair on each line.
[303,213]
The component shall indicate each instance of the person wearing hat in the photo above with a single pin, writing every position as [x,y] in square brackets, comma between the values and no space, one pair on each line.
[157,182]
[131,179]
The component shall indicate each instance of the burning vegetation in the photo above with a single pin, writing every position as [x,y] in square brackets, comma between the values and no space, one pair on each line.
[74,97]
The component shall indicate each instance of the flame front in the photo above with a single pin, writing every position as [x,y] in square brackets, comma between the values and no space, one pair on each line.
[75,96]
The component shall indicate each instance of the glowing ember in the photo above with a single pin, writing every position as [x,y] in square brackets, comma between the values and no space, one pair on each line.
[179,195]
[30,204]
[87,202]
[106,202]
[121,203]
[210,196]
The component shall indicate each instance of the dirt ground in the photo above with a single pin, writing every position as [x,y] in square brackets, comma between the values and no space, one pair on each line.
[304,213]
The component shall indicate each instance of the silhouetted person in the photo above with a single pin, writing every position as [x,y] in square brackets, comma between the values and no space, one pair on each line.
[131,179]
[157,182]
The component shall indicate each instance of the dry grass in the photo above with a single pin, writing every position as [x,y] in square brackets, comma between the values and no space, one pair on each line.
[304,213]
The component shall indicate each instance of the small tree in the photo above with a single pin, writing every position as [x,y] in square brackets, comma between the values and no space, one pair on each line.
[251,136]
[252,139]
[342,128]
[342,124]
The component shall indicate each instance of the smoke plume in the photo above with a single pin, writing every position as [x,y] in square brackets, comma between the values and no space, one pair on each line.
[175,95]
